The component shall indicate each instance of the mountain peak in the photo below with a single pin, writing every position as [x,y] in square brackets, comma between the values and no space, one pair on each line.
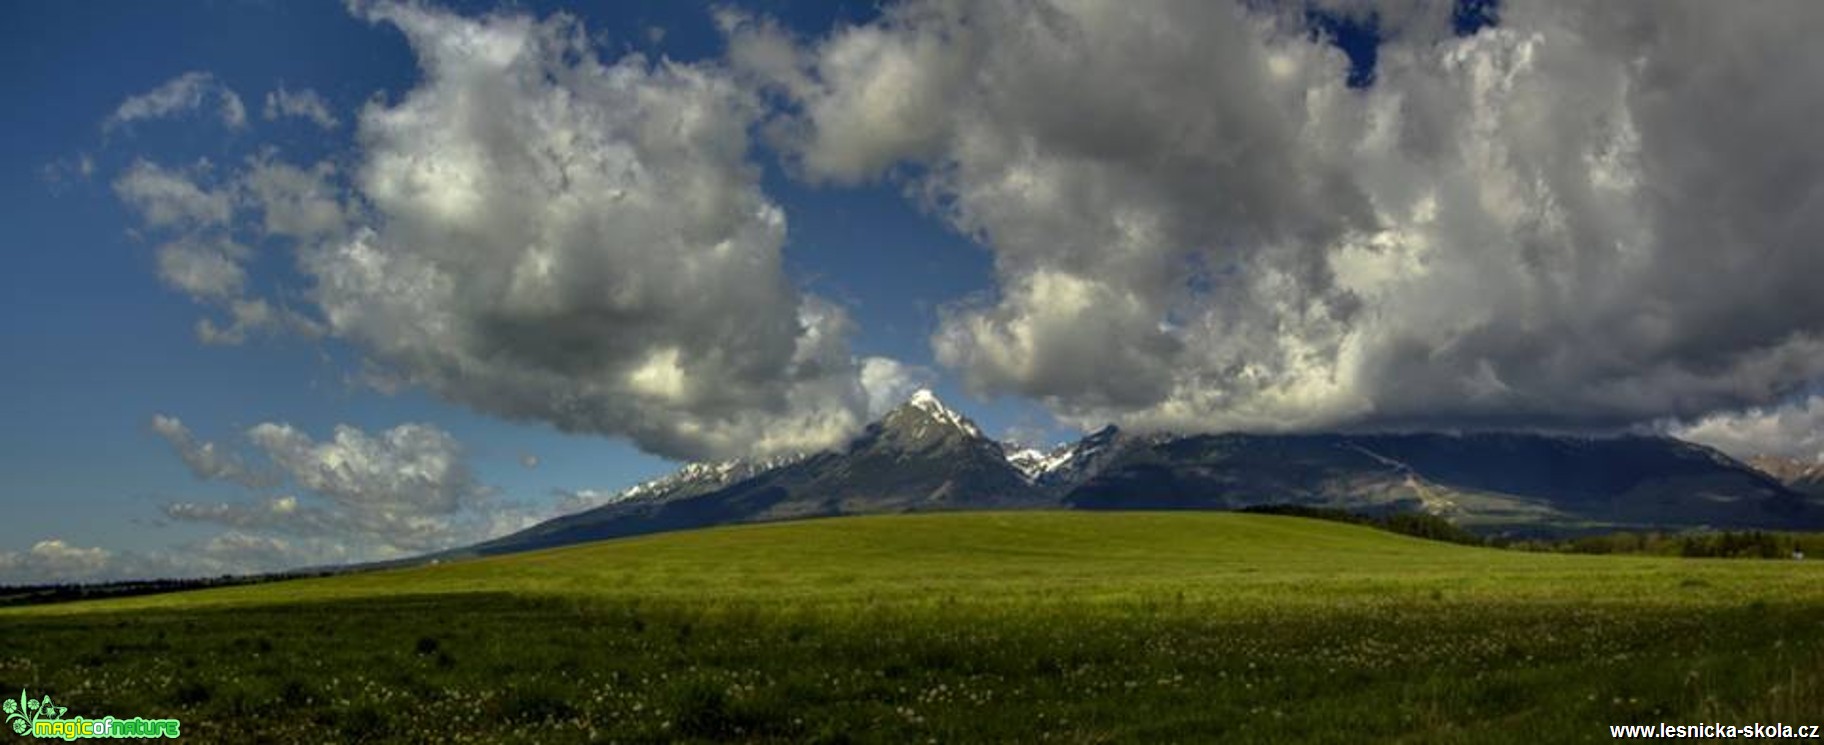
[926,401]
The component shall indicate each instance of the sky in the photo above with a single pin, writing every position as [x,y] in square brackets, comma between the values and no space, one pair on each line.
[293,284]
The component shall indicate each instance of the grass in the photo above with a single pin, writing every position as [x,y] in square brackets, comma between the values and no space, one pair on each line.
[1034,626]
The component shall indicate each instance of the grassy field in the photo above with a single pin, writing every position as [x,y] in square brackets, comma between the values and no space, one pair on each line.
[1029,627]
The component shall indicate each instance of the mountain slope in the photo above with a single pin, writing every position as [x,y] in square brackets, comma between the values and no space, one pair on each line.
[1495,480]
[920,456]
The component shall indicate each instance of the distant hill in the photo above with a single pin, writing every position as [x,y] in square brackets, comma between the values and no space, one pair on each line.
[925,456]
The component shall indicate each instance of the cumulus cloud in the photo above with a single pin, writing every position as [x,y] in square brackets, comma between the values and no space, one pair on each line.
[560,239]
[1791,430]
[409,469]
[54,560]
[277,512]
[532,232]
[888,383]
[233,112]
[232,552]
[250,316]
[178,96]
[206,460]
[198,214]
[241,552]
[1590,216]
[299,203]
[166,197]
[304,104]
[203,270]
[405,490]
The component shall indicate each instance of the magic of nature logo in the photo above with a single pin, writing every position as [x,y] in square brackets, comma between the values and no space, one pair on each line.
[43,719]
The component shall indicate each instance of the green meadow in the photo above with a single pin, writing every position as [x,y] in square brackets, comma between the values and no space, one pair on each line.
[1021,627]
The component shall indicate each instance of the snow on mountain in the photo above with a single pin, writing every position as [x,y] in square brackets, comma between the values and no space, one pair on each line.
[699,478]
[1806,476]
[1068,463]
[1036,464]
[922,422]
[924,400]
[1028,461]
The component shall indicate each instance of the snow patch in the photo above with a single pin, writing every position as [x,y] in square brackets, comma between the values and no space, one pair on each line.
[1037,464]
[924,400]
[712,474]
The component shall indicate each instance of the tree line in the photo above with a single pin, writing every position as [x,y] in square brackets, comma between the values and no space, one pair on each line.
[1725,544]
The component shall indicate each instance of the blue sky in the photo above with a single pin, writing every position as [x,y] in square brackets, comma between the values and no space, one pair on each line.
[295,283]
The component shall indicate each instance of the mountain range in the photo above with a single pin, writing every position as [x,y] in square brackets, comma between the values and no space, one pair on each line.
[923,455]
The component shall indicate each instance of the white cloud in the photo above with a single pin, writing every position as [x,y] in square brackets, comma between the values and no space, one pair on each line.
[177,96]
[304,204]
[1590,216]
[206,460]
[889,382]
[304,104]
[232,552]
[402,491]
[209,270]
[202,259]
[54,560]
[1794,429]
[170,198]
[572,501]
[252,316]
[250,552]
[535,234]
[557,239]
[234,113]
[411,469]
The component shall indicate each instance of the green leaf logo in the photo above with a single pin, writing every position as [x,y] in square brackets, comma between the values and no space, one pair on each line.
[26,711]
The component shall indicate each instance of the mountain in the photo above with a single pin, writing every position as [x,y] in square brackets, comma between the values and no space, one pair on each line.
[1505,482]
[924,455]
[1803,476]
